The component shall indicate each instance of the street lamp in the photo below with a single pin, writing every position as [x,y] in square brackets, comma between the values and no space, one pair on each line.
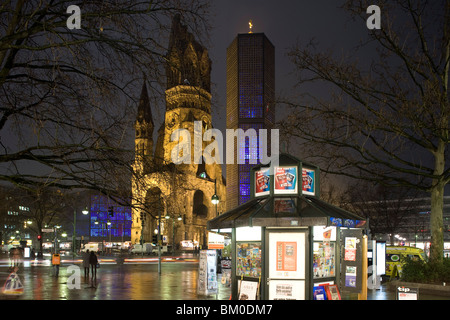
[215,197]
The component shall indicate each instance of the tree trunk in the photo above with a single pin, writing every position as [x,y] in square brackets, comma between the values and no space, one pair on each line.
[437,206]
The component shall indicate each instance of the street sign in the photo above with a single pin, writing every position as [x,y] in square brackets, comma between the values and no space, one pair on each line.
[48,230]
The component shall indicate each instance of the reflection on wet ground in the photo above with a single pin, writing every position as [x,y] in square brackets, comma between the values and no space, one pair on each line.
[178,281]
[133,281]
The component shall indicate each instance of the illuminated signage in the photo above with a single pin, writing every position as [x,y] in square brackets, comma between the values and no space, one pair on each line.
[262,182]
[285,180]
[308,181]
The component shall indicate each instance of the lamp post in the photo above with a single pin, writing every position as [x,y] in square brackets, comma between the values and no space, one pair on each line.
[108,228]
[85,211]
[215,198]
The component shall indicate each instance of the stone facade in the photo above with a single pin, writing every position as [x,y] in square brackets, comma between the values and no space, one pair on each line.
[181,192]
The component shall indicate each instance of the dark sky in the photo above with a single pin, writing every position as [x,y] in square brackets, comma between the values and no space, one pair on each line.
[285,23]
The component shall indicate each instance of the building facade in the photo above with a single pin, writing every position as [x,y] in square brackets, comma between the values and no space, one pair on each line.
[250,105]
[174,199]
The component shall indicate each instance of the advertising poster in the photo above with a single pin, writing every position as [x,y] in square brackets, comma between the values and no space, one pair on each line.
[248,261]
[350,276]
[308,182]
[285,180]
[247,290]
[215,241]
[262,182]
[286,256]
[286,290]
[350,249]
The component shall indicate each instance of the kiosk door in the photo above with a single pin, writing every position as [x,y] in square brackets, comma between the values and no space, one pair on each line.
[286,265]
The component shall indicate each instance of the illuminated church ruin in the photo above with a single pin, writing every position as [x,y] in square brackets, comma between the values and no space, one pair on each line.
[176,197]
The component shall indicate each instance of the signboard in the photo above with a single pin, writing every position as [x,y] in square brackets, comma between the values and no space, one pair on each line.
[13,285]
[308,182]
[405,293]
[287,290]
[248,289]
[262,182]
[287,265]
[207,277]
[287,255]
[215,241]
[48,230]
[285,180]
[351,266]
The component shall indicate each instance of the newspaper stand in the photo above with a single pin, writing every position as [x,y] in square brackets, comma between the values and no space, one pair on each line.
[286,241]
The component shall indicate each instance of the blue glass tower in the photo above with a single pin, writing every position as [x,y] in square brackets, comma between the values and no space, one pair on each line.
[250,104]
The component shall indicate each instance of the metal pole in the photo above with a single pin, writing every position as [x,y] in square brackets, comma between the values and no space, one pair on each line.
[74,239]
[159,243]
[173,235]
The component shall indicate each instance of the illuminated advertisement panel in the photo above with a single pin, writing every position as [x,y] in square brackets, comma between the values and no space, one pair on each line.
[285,180]
[308,181]
[262,182]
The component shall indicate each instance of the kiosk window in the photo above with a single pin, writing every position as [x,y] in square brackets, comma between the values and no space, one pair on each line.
[248,262]
[324,260]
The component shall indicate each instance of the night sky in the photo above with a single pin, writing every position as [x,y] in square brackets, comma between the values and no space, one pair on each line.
[285,23]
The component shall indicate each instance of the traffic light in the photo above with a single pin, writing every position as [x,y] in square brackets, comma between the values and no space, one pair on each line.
[111,211]
[39,237]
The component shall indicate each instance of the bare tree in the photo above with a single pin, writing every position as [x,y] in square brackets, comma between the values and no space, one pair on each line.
[386,121]
[388,210]
[68,96]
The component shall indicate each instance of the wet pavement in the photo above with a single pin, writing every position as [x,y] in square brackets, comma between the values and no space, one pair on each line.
[126,279]
[134,278]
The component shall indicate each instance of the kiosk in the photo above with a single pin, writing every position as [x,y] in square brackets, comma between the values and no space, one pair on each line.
[287,244]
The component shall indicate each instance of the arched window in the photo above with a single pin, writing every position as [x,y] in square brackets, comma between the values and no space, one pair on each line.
[199,209]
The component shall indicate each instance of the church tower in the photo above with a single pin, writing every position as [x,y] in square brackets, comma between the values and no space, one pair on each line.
[188,97]
[143,132]
[175,199]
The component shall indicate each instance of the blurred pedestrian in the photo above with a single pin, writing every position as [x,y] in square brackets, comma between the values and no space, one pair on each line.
[86,263]
[15,257]
[93,261]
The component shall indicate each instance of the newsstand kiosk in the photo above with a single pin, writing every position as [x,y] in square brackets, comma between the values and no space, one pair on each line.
[287,244]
